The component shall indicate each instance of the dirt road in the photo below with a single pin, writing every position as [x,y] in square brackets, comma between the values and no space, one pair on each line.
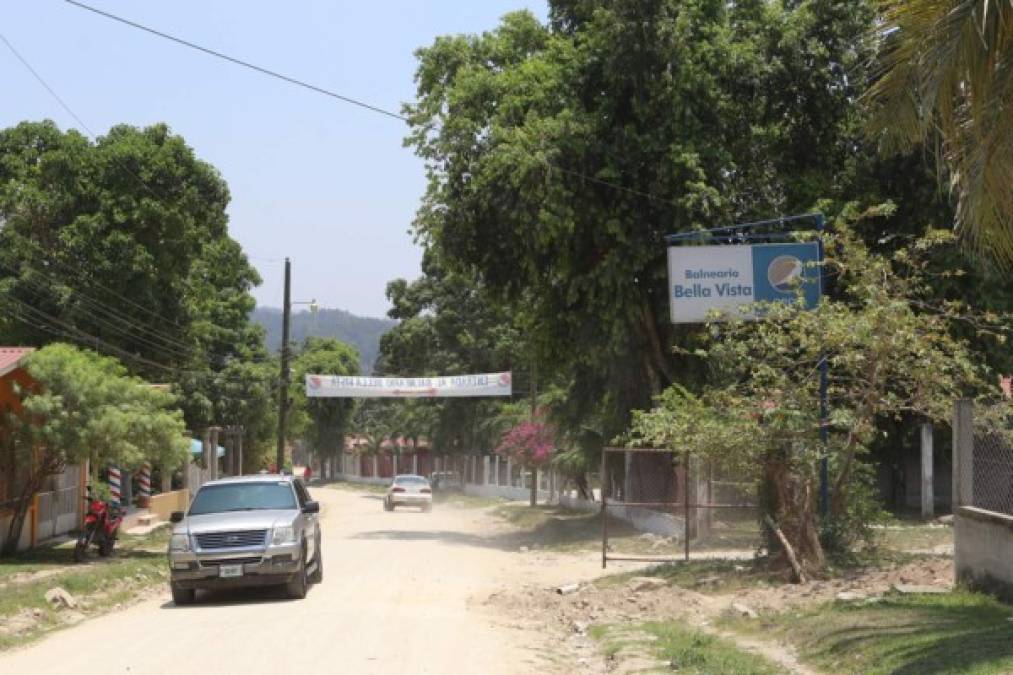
[402,592]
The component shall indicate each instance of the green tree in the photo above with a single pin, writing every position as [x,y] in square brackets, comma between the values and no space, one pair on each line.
[560,155]
[323,422]
[85,407]
[123,245]
[946,82]
[888,354]
[448,325]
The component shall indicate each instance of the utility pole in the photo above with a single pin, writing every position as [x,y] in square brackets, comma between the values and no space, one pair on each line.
[534,412]
[285,374]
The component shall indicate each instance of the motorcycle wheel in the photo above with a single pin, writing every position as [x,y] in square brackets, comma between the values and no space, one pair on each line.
[105,547]
[81,548]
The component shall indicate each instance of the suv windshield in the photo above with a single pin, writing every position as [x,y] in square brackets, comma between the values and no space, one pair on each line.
[243,497]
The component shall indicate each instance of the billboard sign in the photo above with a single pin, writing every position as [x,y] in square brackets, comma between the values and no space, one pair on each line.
[455,386]
[732,278]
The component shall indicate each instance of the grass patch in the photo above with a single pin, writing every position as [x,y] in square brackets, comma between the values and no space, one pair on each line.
[705,576]
[959,632]
[915,537]
[137,563]
[682,649]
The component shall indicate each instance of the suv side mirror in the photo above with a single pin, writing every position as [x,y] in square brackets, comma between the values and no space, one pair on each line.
[311,507]
[176,516]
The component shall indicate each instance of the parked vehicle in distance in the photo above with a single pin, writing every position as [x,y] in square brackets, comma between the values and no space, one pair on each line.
[257,530]
[409,490]
[101,527]
[446,481]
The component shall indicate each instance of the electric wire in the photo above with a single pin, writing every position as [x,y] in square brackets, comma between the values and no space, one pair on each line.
[113,318]
[347,99]
[57,326]
[240,62]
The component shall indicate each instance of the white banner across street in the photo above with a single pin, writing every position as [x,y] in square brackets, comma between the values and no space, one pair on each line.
[340,386]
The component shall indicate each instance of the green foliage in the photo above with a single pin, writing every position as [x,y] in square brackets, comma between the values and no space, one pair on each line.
[943,81]
[701,113]
[322,422]
[86,407]
[889,355]
[448,325]
[126,240]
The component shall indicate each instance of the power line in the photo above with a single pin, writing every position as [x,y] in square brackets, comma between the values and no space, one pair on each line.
[41,81]
[168,343]
[340,97]
[133,331]
[240,62]
[57,326]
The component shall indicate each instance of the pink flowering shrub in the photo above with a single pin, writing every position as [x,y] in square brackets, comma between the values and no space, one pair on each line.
[530,443]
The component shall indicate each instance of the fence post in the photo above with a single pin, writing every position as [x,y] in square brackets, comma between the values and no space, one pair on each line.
[963,454]
[928,495]
[213,465]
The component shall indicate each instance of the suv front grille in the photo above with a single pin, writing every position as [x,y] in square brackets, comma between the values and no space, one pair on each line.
[249,560]
[243,539]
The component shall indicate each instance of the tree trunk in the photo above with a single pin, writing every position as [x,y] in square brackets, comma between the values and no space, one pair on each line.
[21,506]
[534,486]
[582,487]
[658,351]
[789,502]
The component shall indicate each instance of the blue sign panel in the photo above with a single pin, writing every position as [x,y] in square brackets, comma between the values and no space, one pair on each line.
[781,270]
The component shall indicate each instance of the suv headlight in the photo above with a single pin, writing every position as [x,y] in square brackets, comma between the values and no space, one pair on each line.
[283,535]
[179,543]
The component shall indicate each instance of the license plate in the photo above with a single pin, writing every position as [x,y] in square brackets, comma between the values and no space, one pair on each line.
[226,571]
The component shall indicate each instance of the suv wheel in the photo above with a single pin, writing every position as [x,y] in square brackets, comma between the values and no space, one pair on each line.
[296,586]
[182,596]
[318,571]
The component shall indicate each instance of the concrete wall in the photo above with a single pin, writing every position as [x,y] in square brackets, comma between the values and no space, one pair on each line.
[505,492]
[983,550]
[365,480]
[645,520]
[162,505]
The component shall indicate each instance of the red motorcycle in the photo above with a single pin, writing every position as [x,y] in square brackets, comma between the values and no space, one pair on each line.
[101,527]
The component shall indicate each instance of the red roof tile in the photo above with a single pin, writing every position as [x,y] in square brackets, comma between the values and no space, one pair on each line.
[10,358]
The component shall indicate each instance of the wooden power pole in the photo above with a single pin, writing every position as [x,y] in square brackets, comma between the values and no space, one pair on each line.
[285,373]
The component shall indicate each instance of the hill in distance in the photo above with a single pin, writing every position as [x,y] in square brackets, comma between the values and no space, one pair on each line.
[360,331]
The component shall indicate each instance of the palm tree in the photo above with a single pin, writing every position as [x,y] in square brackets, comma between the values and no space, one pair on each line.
[947,81]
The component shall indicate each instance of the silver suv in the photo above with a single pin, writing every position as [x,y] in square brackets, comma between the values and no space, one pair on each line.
[246,531]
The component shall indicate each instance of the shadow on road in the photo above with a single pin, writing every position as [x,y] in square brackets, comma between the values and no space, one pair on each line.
[229,597]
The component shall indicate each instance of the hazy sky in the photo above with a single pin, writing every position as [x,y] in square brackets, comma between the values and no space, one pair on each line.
[320,181]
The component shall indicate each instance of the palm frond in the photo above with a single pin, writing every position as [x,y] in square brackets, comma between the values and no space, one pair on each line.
[946,74]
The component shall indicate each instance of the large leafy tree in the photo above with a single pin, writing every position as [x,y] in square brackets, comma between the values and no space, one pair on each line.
[448,325]
[322,422]
[85,407]
[123,245]
[560,155]
[889,355]
[947,82]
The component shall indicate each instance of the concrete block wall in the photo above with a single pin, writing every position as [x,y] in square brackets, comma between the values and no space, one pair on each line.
[983,550]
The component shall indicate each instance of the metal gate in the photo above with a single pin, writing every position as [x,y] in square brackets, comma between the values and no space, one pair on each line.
[666,503]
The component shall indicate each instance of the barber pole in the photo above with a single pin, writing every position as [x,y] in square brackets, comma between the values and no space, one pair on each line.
[114,485]
[144,480]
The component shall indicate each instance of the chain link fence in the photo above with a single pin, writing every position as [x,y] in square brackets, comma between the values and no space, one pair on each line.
[659,506]
[991,465]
